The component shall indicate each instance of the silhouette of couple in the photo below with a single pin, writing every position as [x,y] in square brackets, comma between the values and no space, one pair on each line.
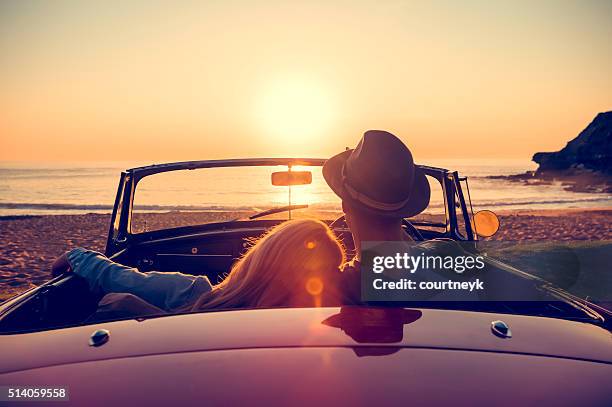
[297,263]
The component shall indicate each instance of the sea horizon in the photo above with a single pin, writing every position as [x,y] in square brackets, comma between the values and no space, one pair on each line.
[51,188]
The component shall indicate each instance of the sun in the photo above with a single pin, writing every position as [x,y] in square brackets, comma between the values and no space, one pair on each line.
[295,112]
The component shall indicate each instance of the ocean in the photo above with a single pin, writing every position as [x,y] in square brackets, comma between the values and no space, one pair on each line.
[77,188]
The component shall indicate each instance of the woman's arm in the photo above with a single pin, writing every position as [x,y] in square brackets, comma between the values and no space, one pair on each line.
[167,291]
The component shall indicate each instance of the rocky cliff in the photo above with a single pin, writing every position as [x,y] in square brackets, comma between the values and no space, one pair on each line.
[591,150]
[583,165]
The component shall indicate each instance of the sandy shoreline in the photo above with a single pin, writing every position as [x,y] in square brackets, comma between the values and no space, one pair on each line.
[30,243]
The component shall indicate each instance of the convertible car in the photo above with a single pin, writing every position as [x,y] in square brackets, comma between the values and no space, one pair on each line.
[553,352]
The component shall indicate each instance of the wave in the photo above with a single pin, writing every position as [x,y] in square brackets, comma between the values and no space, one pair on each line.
[100,207]
[317,205]
[51,206]
[541,202]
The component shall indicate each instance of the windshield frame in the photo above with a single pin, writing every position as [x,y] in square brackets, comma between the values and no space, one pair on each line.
[120,234]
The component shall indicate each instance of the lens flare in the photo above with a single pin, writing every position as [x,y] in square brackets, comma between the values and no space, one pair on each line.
[314,286]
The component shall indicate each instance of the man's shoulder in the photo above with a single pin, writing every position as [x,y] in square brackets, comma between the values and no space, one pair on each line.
[441,246]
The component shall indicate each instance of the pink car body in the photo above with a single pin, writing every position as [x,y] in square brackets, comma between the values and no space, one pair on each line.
[321,356]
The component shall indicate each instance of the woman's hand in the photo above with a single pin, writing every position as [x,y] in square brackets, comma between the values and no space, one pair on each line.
[60,265]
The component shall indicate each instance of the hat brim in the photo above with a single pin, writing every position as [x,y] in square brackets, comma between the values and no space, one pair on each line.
[417,202]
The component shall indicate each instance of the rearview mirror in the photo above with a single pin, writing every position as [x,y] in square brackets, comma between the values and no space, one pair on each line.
[485,223]
[288,178]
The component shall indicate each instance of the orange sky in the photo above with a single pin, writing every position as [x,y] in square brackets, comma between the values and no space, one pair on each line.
[157,80]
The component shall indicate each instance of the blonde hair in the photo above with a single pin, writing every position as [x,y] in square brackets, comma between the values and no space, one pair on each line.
[294,264]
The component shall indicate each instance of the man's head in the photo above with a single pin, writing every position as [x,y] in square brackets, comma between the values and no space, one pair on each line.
[377,181]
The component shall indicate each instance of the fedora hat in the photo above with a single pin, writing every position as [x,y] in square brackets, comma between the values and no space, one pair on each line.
[379,176]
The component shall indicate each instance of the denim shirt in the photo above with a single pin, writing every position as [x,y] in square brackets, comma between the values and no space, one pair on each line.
[168,291]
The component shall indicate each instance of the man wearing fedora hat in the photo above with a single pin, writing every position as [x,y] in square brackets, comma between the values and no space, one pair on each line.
[379,185]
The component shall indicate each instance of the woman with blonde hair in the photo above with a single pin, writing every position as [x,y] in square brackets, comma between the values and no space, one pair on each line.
[294,264]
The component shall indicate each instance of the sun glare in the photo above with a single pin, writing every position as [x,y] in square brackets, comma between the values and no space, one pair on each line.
[294,112]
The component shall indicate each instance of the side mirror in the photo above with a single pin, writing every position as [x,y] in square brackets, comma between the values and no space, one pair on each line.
[288,178]
[485,223]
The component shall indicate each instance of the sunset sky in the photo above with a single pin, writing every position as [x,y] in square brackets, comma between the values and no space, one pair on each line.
[161,80]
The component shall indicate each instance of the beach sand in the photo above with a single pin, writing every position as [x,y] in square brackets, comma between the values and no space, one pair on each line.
[31,243]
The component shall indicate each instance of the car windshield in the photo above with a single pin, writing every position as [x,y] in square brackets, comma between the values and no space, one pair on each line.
[211,195]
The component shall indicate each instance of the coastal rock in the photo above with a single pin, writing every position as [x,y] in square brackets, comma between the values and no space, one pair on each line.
[591,150]
[583,165]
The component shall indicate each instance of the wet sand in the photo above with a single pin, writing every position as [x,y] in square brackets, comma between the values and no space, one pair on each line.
[30,244]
